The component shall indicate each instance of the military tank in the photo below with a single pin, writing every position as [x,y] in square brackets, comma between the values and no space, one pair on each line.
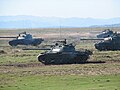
[24,39]
[64,54]
[110,43]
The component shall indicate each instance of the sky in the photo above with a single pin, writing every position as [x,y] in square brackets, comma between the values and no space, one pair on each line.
[61,8]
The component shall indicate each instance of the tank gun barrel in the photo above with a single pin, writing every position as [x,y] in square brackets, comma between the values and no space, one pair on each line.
[36,49]
[93,39]
[7,37]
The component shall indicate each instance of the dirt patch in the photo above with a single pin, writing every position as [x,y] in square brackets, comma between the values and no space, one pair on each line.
[89,68]
[23,65]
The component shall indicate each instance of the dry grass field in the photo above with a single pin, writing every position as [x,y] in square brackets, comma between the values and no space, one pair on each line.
[20,70]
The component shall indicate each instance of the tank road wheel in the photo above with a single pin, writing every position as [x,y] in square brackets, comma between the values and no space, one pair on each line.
[12,43]
[84,58]
[81,58]
[42,59]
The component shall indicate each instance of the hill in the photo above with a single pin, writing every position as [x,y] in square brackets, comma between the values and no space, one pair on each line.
[22,21]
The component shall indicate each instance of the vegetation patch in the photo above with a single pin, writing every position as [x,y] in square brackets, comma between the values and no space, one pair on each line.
[65,82]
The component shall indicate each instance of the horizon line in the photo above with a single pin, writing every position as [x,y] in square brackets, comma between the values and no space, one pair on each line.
[58,17]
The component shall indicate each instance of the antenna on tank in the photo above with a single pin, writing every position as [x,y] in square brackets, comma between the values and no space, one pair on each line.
[60,28]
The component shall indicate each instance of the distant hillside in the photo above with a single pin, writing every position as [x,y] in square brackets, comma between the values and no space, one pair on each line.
[54,22]
[111,25]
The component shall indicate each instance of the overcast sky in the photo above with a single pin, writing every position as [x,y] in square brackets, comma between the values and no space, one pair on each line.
[61,8]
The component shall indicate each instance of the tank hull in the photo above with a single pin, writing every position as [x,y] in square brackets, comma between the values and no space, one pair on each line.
[63,58]
[107,46]
[34,42]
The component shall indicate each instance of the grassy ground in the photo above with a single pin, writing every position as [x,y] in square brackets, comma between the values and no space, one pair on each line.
[20,70]
[57,82]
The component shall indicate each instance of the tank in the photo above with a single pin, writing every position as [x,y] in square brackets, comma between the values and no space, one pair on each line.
[106,33]
[24,39]
[110,43]
[64,54]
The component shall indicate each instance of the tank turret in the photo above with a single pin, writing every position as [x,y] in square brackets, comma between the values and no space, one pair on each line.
[106,33]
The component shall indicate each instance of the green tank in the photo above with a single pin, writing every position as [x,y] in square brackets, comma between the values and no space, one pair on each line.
[63,53]
[110,43]
[24,39]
